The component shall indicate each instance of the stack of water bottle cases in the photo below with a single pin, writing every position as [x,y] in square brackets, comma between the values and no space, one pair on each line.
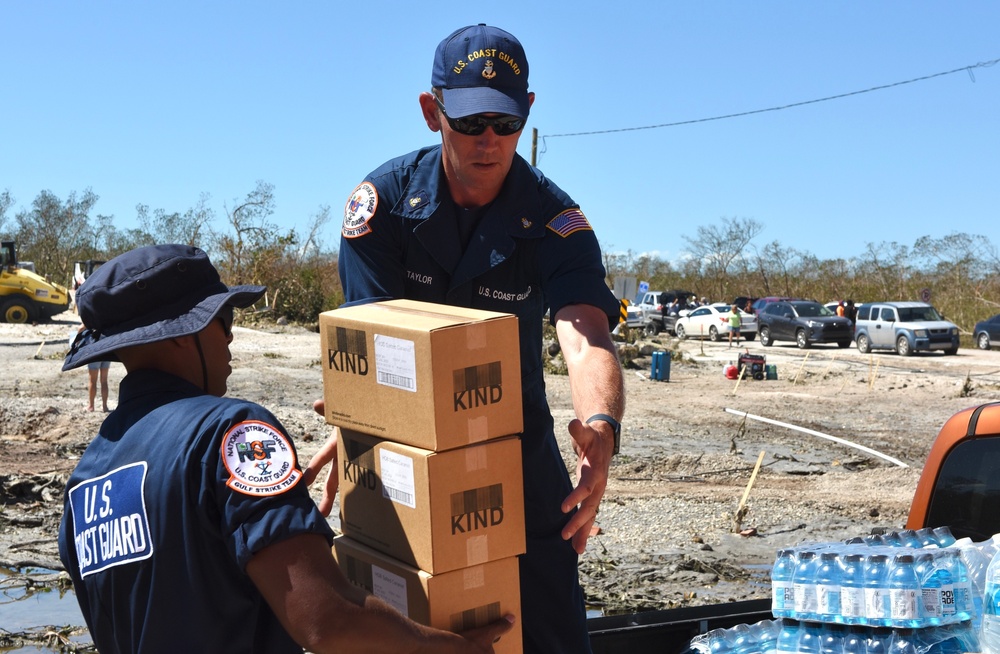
[906,592]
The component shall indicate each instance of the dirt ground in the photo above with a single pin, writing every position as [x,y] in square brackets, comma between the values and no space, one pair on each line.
[681,524]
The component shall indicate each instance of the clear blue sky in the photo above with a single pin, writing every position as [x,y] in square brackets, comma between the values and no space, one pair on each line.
[157,103]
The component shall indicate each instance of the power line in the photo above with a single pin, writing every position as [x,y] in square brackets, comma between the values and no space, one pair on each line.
[968,69]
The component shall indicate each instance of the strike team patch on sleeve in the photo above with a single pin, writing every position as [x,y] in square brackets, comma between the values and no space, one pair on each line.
[110,523]
[260,459]
[359,210]
[569,221]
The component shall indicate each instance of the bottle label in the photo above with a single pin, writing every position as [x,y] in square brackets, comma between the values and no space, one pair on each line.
[903,603]
[805,598]
[931,598]
[828,599]
[875,604]
[852,602]
[947,600]
[781,596]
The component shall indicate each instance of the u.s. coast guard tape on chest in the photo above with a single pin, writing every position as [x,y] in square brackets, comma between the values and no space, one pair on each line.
[260,459]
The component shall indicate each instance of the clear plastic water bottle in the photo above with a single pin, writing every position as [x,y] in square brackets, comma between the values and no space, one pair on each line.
[855,641]
[782,598]
[804,586]
[910,539]
[719,642]
[903,642]
[892,539]
[932,593]
[828,584]
[832,639]
[879,641]
[877,590]
[852,588]
[944,536]
[788,637]
[989,634]
[904,591]
[968,599]
[810,640]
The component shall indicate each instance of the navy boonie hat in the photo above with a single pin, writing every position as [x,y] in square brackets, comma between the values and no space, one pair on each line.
[147,295]
[481,70]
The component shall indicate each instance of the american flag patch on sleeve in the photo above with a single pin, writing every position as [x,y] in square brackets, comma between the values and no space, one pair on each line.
[569,221]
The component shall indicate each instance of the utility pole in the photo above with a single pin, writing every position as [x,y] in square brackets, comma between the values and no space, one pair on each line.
[534,145]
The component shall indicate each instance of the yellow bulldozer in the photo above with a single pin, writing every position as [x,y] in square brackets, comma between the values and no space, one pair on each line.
[24,295]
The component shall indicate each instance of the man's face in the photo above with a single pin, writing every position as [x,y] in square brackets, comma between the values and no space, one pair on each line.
[215,340]
[475,166]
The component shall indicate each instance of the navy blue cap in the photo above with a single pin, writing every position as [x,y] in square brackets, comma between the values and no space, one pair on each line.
[481,70]
[148,295]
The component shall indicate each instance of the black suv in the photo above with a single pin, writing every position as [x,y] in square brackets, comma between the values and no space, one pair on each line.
[804,322]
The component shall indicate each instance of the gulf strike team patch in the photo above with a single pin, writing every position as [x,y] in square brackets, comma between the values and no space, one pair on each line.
[260,459]
[359,210]
[569,221]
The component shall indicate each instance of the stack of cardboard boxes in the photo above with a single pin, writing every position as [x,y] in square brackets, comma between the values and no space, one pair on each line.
[427,399]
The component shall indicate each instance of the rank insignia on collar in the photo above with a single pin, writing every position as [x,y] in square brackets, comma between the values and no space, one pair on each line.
[525,223]
[415,201]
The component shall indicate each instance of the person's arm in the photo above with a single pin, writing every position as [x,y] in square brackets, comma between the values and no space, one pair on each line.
[323,612]
[596,384]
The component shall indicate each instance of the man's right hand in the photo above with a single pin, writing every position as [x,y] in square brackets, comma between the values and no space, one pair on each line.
[326,454]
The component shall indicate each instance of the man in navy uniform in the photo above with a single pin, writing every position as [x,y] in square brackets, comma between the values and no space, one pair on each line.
[470,223]
[189,526]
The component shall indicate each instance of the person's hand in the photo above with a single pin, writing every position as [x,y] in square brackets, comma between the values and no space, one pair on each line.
[484,637]
[326,454]
[593,451]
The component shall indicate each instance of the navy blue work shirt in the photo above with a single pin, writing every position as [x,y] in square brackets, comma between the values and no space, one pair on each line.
[531,252]
[165,509]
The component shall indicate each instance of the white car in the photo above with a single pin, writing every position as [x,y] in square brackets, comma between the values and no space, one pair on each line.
[712,321]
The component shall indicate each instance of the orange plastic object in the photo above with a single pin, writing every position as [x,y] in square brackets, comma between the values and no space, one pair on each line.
[959,486]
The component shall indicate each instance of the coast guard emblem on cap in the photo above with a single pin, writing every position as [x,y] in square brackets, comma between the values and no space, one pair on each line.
[260,459]
[488,71]
[569,221]
[359,210]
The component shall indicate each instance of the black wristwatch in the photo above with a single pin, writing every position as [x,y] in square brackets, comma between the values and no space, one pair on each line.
[614,424]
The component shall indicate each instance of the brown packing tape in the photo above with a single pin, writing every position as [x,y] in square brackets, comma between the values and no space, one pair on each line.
[476,458]
[475,336]
[477,550]
[473,577]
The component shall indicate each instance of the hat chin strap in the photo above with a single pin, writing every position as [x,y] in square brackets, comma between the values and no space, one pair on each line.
[204,367]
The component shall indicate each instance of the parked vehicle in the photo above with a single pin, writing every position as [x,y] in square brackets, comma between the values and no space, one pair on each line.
[987,332]
[710,321]
[762,302]
[804,322]
[654,307]
[906,327]
[24,295]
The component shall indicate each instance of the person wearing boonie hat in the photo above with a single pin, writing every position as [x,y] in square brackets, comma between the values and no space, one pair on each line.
[188,522]
[468,222]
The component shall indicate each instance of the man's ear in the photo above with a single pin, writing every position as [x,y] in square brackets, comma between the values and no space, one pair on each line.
[428,105]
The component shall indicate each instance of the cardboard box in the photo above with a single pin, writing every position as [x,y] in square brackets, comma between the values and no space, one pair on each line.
[454,601]
[429,375]
[438,511]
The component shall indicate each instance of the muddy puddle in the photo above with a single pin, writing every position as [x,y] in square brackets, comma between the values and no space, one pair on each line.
[38,613]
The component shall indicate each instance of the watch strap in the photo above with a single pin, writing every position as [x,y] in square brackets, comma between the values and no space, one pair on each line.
[614,425]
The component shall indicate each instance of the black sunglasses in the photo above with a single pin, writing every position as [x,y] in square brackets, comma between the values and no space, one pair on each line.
[475,125]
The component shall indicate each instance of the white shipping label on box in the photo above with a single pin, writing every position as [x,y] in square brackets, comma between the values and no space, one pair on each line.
[397,478]
[395,363]
[390,588]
